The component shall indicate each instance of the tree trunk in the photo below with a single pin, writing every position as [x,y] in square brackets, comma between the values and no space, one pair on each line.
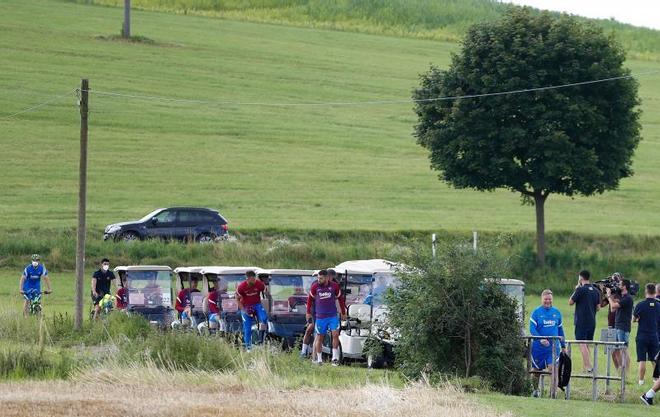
[539,202]
[468,351]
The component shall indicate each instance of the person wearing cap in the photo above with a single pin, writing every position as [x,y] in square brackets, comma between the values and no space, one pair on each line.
[102,279]
[30,282]
[248,295]
[623,310]
[324,295]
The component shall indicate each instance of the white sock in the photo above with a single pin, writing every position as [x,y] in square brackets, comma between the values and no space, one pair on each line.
[319,357]
[641,382]
[650,394]
[305,349]
[335,354]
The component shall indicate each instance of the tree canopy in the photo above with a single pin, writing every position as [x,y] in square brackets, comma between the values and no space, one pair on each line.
[575,140]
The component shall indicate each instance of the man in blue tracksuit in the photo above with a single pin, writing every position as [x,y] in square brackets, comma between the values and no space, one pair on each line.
[545,321]
[30,283]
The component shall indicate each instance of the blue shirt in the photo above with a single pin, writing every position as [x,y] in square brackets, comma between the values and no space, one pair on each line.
[546,322]
[33,277]
[647,312]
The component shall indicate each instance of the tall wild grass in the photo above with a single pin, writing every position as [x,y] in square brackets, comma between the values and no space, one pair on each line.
[432,19]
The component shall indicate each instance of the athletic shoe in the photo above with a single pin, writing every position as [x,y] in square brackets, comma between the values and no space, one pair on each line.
[646,400]
[335,362]
[536,393]
[589,371]
[640,382]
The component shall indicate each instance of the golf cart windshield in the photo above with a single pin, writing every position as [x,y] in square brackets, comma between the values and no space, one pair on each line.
[358,288]
[289,293]
[382,283]
[517,292]
[227,285]
[149,288]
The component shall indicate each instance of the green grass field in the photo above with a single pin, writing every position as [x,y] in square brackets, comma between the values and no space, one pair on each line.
[304,167]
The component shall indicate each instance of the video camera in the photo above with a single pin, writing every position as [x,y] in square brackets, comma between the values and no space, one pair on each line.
[612,282]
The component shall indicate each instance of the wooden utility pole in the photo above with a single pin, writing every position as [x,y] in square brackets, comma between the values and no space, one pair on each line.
[82,204]
[126,27]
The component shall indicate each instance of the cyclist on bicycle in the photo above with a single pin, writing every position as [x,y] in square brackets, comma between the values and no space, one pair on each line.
[30,283]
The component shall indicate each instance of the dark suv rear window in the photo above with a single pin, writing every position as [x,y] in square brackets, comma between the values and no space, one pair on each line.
[196,217]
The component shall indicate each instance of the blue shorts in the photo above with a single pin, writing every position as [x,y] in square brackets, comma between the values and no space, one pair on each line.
[622,336]
[322,326]
[214,317]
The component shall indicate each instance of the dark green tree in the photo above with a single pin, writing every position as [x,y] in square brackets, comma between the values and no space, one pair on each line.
[575,140]
[454,319]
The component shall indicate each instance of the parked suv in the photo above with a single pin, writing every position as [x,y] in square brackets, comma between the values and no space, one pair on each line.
[183,223]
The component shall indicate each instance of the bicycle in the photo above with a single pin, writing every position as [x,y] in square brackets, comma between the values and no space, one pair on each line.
[33,297]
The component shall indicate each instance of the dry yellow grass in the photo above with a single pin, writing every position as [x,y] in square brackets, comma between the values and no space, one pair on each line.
[147,391]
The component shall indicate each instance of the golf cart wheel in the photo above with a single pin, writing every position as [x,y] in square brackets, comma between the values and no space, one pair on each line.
[130,237]
[205,238]
[375,362]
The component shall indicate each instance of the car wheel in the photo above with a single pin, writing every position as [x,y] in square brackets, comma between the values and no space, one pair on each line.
[130,236]
[205,238]
[375,362]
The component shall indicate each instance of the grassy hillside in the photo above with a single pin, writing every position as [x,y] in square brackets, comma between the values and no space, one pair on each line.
[445,20]
[301,167]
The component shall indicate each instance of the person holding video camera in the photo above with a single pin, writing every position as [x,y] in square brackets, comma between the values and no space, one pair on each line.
[646,314]
[586,299]
[623,309]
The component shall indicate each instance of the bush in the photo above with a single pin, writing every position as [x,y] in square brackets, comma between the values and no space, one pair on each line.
[34,363]
[455,319]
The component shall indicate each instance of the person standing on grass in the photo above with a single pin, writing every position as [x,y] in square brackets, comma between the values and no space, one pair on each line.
[102,279]
[623,308]
[647,314]
[545,321]
[248,294]
[324,295]
[30,282]
[586,299]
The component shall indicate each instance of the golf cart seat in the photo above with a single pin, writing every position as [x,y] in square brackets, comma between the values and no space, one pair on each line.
[360,312]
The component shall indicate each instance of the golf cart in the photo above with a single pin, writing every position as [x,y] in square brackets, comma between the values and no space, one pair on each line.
[365,283]
[287,302]
[185,278]
[515,289]
[226,279]
[149,292]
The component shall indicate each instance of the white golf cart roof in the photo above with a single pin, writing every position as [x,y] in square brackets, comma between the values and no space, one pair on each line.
[190,269]
[305,272]
[142,268]
[366,266]
[512,282]
[228,270]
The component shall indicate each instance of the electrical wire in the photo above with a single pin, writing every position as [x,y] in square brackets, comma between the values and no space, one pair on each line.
[38,106]
[359,103]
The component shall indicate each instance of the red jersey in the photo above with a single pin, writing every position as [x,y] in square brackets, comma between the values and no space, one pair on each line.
[250,295]
[323,298]
[184,299]
[122,298]
[215,302]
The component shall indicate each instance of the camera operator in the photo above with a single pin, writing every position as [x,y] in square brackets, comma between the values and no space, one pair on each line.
[646,313]
[586,299]
[623,308]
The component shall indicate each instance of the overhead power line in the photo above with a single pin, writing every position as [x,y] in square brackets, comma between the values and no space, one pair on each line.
[38,106]
[356,103]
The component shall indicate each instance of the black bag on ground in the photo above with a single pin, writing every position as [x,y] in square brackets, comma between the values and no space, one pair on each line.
[564,368]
